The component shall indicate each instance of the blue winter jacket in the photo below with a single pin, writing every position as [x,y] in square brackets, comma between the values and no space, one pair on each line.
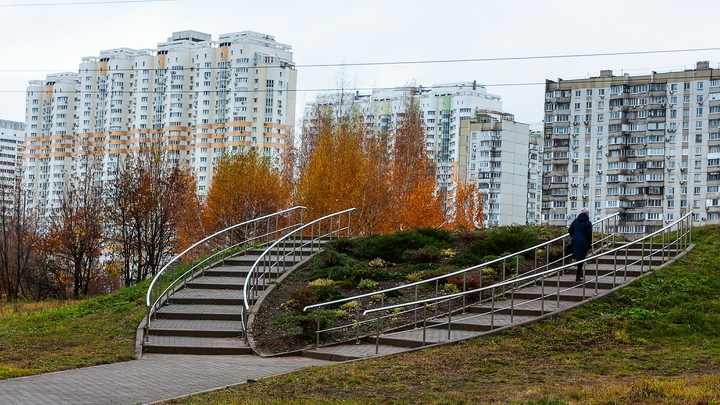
[580,236]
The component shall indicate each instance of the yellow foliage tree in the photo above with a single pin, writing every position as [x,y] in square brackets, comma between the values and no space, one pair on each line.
[413,203]
[341,169]
[467,207]
[245,186]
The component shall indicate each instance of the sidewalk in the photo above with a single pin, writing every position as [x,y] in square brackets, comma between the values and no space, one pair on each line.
[154,378]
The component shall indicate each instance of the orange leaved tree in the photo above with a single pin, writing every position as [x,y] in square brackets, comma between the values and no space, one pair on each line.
[246,185]
[413,203]
[343,168]
[466,210]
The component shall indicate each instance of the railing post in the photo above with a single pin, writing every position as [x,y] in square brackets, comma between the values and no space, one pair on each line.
[449,317]
[492,308]
[317,331]
[424,322]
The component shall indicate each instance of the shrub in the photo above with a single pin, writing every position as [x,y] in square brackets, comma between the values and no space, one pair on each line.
[341,245]
[322,282]
[427,254]
[331,258]
[465,260]
[301,298]
[327,293]
[504,239]
[439,235]
[472,282]
[305,324]
[450,288]
[391,247]
[366,284]
[414,276]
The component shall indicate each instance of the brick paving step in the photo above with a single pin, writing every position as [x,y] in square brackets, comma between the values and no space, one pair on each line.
[195,328]
[211,282]
[522,307]
[478,322]
[206,296]
[201,311]
[351,351]
[196,345]
[414,338]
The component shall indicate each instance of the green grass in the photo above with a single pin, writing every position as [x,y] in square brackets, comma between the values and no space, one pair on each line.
[51,336]
[655,342]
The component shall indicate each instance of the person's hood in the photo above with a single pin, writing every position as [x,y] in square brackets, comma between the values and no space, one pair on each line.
[583,218]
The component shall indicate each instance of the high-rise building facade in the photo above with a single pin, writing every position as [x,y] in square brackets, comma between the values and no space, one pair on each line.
[494,154]
[11,149]
[646,147]
[191,96]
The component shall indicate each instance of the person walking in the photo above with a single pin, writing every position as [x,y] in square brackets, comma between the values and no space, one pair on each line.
[581,239]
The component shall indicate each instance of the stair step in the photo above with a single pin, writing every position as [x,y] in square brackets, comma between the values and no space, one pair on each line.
[210,282]
[207,296]
[196,328]
[196,345]
[197,312]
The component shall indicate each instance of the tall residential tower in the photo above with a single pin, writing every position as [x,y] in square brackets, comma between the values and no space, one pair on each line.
[647,147]
[192,96]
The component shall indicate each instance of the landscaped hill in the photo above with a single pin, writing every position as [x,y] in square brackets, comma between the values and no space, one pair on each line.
[654,342]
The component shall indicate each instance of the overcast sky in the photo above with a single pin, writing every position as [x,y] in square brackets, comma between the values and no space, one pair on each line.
[53,37]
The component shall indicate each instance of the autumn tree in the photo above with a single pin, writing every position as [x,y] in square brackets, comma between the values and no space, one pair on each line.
[466,210]
[75,241]
[342,170]
[412,185]
[148,201]
[246,185]
[18,235]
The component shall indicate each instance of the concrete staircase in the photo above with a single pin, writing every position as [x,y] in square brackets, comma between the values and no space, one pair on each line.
[205,315]
[523,304]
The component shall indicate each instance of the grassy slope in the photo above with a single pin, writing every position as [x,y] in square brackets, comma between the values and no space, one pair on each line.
[42,337]
[655,342]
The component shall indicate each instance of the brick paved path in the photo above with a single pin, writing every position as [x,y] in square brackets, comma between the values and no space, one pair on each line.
[156,377]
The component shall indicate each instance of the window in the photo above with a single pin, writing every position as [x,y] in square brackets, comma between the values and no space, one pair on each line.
[588,104]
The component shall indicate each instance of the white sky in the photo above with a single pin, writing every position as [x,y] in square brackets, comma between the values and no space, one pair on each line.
[45,39]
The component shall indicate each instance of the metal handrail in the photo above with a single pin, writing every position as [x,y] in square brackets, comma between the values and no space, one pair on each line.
[219,249]
[466,270]
[681,241]
[255,277]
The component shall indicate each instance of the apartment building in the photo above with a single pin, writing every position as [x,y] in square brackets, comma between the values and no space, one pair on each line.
[495,153]
[443,107]
[11,149]
[192,96]
[646,147]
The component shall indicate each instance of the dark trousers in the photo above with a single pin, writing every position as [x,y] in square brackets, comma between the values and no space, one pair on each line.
[579,273]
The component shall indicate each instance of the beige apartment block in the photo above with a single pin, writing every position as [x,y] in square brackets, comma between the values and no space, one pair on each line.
[646,147]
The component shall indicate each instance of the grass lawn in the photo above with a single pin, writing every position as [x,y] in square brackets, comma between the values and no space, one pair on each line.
[59,335]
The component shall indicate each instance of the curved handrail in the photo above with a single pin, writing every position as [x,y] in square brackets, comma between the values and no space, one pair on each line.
[152,304]
[529,277]
[310,225]
[458,272]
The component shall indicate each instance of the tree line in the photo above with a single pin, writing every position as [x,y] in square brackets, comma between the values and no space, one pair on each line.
[118,228]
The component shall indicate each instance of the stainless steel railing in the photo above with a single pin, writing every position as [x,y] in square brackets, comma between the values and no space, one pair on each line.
[377,298]
[194,260]
[674,238]
[306,239]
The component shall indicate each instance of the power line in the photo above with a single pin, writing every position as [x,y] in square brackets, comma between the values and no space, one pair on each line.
[248,91]
[424,62]
[83,3]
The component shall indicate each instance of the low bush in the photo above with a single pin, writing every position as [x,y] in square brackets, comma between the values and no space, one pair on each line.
[504,239]
[392,247]
[427,254]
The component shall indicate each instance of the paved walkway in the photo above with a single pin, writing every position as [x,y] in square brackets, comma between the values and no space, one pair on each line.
[154,378]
